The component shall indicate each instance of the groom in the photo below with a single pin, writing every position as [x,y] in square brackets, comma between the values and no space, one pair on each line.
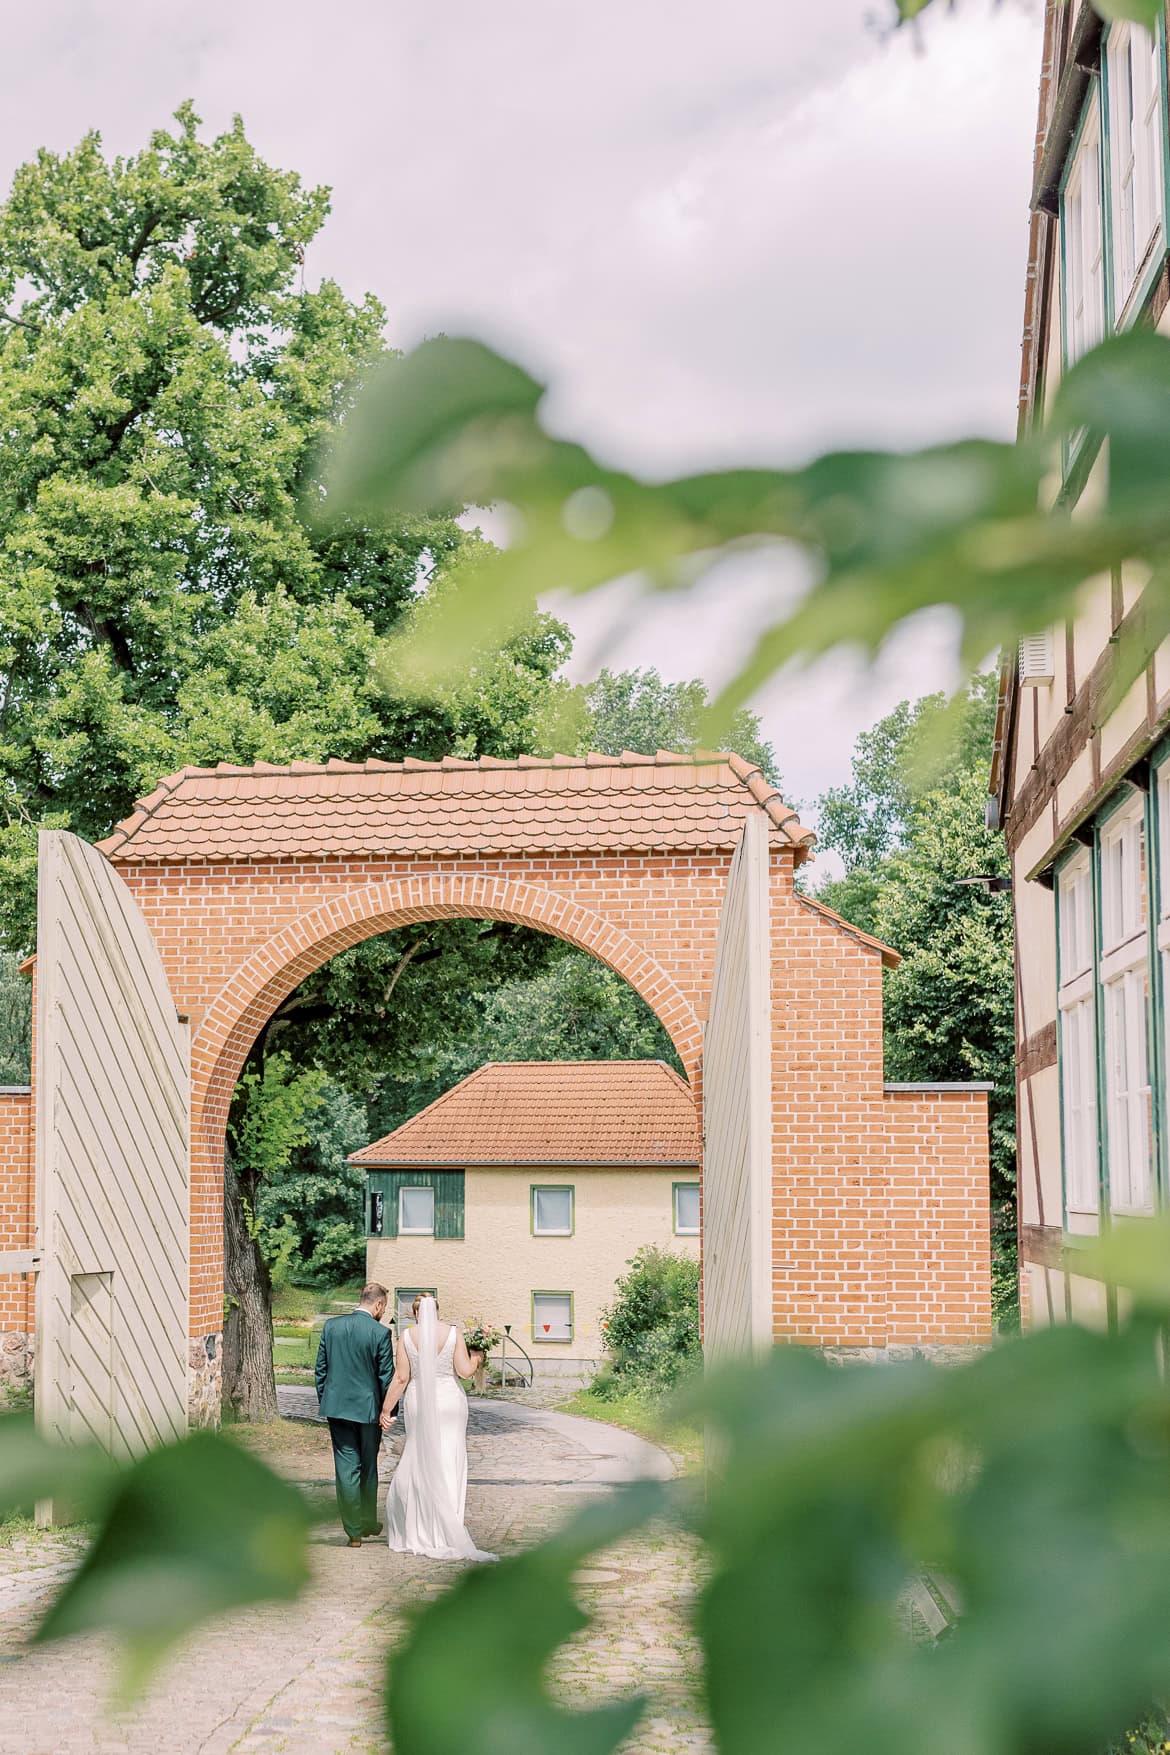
[355,1363]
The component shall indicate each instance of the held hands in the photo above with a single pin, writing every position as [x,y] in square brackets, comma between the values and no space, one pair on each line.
[386,1418]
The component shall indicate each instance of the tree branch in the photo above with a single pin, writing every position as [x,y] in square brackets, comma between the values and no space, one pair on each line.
[21,322]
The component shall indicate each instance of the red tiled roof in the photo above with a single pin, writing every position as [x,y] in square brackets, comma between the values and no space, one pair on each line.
[551,1112]
[556,804]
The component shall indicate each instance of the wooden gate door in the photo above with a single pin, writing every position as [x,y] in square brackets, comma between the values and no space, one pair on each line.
[737,1111]
[112,1093]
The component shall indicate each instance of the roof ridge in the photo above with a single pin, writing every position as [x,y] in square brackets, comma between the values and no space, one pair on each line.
[739,770]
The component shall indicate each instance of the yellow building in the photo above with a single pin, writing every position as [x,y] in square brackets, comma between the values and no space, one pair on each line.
[520,1195]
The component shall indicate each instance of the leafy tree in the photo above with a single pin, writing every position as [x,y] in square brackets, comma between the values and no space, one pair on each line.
[167,382]
[574,1008]
[269,1119]
[311,1216]
[918,748]
[15,1023]
[637,710]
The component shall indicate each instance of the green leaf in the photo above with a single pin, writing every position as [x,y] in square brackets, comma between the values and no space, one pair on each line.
[1035,1481]
[886,535]
[80,1476]
[192,1530]
[469,1680]
[1121,391]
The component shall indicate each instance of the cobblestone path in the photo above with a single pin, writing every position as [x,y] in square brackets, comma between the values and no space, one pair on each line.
[306,1679]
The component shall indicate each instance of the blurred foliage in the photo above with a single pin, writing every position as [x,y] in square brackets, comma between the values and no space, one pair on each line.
[1035,1479]
[651,1329]
[186,1533]
[885,534]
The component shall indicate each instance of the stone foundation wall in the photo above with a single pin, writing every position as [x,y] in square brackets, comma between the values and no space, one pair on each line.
[16,1363]
[895,1355]
[204,1380]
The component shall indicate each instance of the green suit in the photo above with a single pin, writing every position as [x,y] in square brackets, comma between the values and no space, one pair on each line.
[355,1363]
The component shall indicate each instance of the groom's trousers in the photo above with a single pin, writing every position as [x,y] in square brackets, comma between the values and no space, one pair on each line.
[355,1467]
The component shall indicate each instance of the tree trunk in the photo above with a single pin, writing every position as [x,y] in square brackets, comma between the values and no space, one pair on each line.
[249,1382]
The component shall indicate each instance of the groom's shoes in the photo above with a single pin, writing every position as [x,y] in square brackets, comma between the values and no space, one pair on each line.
[375,1529]
[354,1542]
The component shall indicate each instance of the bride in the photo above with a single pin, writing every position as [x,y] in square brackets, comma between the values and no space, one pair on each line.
[428,1495]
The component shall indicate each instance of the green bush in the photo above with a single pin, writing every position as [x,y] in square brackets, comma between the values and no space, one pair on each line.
[652,1326]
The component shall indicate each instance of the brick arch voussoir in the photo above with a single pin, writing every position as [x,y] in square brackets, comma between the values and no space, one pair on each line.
[242,1007]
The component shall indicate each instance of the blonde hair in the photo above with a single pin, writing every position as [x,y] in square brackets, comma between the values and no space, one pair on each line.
[418,1298]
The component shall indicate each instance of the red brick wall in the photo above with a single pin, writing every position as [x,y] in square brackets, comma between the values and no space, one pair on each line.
[940,1216]
[879,1231]
[16,1207]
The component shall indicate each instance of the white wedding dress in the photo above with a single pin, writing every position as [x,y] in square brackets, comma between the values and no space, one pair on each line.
[427,1500]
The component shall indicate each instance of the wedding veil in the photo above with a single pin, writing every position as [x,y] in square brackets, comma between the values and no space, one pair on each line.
[431,1477]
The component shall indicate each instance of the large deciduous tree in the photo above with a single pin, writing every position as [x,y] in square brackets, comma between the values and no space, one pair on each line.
[167,382]
[639,710]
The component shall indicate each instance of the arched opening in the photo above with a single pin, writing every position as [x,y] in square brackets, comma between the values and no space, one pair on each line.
[243,1011]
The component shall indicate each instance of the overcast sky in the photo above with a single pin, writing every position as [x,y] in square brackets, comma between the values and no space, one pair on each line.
[729,231]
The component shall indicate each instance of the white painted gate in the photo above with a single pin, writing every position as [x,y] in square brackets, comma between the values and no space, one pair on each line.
[737,1111]
[112,1084]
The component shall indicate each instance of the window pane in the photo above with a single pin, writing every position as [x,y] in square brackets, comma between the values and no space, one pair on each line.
[1128,1090]
[552,1316]
[377,1204]
[686,1206]
[1078,1082]
[554,1211]
[416,1209]
[406,1298]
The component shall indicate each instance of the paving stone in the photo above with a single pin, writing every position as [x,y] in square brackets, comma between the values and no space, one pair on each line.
[306,1679]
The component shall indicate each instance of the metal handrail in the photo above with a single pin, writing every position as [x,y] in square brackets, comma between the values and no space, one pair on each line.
[505,1366]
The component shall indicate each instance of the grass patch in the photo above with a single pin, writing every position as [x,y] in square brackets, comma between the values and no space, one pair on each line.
[648,1419]
[303,1303]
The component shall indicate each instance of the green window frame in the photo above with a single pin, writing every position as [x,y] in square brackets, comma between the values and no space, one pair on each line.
[682,1230]
[450,1201]
[538,1188]
[550,1339]
[1155,817]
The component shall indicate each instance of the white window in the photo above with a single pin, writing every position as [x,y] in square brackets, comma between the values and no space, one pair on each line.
[686,1209]
[552,1212]
[1134,93]
[1078,1032]
[552,1316]
[1082,241]
[1124,979]
[416,1212]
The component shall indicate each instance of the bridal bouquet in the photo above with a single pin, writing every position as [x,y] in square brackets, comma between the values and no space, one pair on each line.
[481,1337]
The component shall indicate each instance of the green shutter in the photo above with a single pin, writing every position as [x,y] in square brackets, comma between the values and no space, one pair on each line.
[448,1187]
[448,1202]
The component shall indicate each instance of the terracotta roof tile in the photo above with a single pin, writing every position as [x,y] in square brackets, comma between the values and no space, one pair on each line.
[559,804]
[583,1112]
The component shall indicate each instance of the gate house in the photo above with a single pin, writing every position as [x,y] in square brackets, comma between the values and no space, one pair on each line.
[837,1211]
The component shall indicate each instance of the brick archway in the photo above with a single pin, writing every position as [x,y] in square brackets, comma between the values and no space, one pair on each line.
[250,878]
[238,1013]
